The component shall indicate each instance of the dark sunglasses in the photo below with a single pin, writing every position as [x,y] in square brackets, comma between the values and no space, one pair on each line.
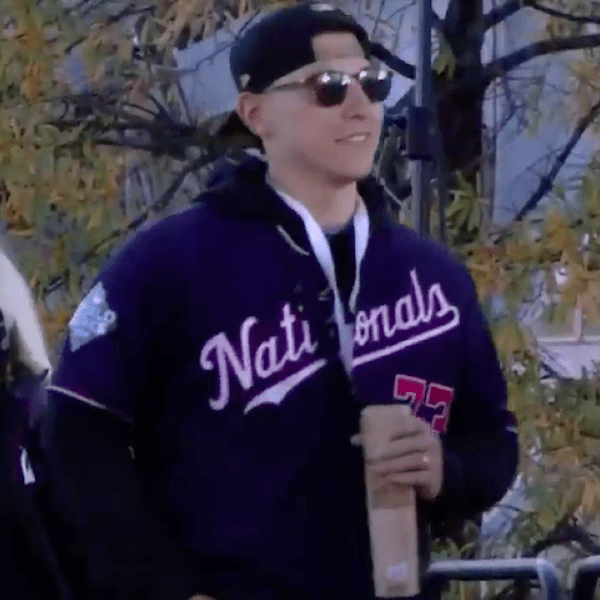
[330,88]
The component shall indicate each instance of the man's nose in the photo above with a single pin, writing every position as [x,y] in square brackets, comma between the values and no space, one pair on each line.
[356,99]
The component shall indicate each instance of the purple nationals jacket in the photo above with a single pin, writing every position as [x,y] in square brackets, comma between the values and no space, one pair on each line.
[211,344]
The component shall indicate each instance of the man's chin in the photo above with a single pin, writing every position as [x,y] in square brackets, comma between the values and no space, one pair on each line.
[348,176]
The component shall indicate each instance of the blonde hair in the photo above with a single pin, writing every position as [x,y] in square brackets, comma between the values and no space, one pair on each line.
[26,338]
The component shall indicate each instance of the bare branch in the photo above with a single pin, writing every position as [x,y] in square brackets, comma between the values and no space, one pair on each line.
[565,531]
[515,59]
[135,145]
[501,13]
[563,15]
[545,185]
[156,131]
[162,203]
[378,19]
[85,10]
[138,107]
[126,12]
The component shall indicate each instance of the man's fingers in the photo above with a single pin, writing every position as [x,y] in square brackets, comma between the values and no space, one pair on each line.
[416,479]
[410,427]
[415,461]
[413,478]
[401,448]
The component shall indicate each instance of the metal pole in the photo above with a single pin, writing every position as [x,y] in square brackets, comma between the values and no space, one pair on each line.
[497,569]
[585,577]
[422,169]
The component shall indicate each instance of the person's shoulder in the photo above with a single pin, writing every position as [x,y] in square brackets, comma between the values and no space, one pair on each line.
[175,226]
[158,241]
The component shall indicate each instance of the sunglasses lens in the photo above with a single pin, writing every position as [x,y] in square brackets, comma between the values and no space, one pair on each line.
[376,85]
[330,89]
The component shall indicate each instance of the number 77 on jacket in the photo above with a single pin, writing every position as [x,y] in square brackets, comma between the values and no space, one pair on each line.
[429,401]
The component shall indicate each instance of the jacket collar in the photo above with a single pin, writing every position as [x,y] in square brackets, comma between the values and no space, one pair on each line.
[241,191]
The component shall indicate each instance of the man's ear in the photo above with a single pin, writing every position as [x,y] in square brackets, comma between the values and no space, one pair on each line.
[249,109]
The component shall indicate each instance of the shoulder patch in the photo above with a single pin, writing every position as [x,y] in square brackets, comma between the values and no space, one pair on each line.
[92,319]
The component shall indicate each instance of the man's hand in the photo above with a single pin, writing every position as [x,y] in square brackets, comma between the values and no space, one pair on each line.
[412,457]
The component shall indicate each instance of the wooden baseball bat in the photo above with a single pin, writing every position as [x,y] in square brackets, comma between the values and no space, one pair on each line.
[392,510]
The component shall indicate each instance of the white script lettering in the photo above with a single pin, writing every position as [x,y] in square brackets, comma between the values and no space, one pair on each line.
[267,360]
[413,310]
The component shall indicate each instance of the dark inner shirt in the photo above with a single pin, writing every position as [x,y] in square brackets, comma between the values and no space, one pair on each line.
[341,242]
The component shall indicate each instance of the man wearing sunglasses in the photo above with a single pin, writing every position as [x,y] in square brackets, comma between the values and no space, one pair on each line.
[233,346]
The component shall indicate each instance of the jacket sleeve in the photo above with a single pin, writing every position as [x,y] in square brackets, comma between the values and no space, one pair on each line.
[112,543]
[116,544]
[480,448]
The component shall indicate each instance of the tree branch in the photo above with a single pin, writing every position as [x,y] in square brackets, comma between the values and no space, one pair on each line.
[501,13]
[515,59]
[134,145]
[545,185]
[553,12]
[111,20]
[393,62]
[160,204]
[564,534]
[156,131]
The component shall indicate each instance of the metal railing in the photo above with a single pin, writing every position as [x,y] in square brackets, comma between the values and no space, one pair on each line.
[586,574]
[517,569]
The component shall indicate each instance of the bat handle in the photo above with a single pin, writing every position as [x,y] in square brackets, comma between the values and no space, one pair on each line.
[391,510]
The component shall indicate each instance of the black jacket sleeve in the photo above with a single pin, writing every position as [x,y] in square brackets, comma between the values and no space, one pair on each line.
[477,473]
[114,545]
[109,366]
[480,447]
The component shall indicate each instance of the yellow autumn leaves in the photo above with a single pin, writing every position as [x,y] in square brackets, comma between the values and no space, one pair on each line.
[26,52]
[557,246]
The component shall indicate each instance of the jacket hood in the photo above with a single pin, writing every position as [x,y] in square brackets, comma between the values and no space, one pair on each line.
[238,186]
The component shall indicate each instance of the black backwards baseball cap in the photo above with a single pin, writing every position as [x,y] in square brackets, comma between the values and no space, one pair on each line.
[281,43]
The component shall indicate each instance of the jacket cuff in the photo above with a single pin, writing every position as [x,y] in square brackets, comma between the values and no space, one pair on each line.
[447,505]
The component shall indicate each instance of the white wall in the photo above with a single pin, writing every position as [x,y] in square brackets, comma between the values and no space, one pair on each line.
[573,357]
